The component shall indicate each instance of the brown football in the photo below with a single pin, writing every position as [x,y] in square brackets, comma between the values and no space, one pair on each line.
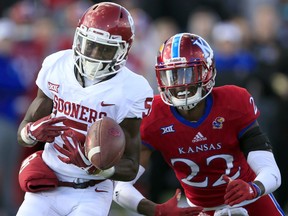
[105,143]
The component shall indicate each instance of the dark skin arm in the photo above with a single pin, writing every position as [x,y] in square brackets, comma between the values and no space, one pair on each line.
[149,208]
[146,207]
[40,107]
[127,168]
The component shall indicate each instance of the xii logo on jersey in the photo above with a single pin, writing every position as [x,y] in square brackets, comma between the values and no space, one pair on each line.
[53,87]
[168,129]
[199,137]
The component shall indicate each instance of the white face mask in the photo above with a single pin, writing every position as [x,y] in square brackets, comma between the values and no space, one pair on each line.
[96,54]
[92,68]
[188,102]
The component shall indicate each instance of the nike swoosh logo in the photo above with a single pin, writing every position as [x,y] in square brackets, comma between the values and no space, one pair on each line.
[35,127]
[101,191]
[106,104]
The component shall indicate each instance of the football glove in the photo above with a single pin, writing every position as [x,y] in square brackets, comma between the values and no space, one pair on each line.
[43,130]
[170,207]
[238,191]
[74,152]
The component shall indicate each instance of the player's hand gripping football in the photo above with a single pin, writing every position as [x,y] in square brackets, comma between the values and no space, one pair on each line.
[238,190]
[43,130]
[170,207]
[74,153]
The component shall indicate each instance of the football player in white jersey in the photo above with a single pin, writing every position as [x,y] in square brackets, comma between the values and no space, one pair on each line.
[75,88]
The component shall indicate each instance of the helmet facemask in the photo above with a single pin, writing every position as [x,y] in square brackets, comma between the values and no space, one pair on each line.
[185,86]
[97,54]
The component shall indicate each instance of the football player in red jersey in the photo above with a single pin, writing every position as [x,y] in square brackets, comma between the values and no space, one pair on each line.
[76,87]
[209,136]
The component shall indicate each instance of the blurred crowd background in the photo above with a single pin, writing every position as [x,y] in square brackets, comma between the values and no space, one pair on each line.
[249,37]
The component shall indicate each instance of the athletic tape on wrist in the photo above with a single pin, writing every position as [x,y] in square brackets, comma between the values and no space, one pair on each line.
[107,173]
[26,138]
[258,190]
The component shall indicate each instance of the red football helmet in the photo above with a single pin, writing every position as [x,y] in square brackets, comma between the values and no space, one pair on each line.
[185,70]
[102,40]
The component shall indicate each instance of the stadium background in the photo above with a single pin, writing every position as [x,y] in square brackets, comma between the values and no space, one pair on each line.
[250,42]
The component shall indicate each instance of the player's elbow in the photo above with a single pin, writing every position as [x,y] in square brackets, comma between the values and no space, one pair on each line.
[272,180]
[277,175]
[264,165]
[132,172]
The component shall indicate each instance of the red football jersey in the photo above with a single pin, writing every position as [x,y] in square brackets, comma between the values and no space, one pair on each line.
[201,152]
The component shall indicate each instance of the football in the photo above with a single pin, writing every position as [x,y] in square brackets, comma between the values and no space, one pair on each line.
[105,143]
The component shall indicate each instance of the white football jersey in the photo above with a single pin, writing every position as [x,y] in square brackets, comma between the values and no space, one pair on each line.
[126,95]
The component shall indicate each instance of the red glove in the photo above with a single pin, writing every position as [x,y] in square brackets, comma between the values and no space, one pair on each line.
[74,154]
[238,191]
[170,207]
[43,130]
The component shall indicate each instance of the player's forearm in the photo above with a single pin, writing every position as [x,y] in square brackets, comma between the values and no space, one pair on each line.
[126,170]
[127,196]
[41,106]
[21,133]
[268,177]
[146,207]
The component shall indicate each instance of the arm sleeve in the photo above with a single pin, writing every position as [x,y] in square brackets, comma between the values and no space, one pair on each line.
[264,165]
[126,195]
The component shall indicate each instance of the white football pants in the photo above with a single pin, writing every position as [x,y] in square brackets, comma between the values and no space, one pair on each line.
[68,201]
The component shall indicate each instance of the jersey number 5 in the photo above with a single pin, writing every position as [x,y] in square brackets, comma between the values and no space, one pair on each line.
[147,106]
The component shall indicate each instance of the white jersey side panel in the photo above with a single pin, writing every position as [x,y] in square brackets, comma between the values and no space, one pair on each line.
[123,96]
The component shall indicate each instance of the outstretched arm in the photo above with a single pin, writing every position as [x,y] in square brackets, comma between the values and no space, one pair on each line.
[170,207]
[126,195]
[127,168]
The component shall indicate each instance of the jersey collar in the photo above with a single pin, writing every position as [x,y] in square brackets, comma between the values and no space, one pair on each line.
[208,107]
